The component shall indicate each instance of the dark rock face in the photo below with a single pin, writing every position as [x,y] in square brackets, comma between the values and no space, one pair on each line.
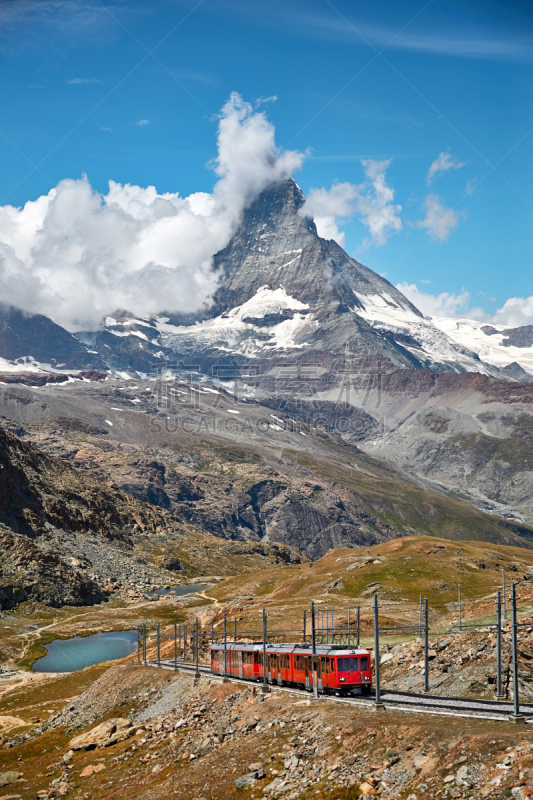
[275,246]
[518,373]
[518,337]
[33,335]
[29,573]
[53,519]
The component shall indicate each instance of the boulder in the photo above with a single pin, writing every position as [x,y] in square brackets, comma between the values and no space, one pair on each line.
[104,735]
[246,780]
[9,777]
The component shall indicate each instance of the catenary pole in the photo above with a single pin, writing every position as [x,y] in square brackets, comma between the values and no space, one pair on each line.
[503,596]
[348,626]
[265,682]
[516,716]
[358,626]
[175,645]
[426,646]
[377,701]
[314,672]
[197,648]
[225,646]
[499,695]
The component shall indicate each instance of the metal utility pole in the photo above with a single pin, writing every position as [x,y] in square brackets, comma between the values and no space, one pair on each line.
[305,624]
[138,644]
[459,590]
[212,632]
[158,646]
[499,695]
[225,647]
[420,617]
[426,646]
[503,596]
[144,645]
[235,633]
[348,626]
[265,682]
[358,626]
[197,675]
[314,666]
[175,645]
[377,702]
[516,716]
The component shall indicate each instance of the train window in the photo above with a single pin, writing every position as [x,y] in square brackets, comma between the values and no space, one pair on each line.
[328,665]
[214,655]
[298,662]
[365,666]
[348,664]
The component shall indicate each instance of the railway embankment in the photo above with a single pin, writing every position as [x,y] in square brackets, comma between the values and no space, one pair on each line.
[140,732]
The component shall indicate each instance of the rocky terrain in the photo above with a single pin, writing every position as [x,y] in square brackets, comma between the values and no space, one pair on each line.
[159,735]
[298,327]
[237,469]
[128,730]
[71,538]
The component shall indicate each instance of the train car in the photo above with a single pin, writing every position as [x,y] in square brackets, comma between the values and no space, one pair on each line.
[334,669]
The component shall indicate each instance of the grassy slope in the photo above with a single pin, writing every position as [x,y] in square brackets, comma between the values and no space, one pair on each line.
[408,508]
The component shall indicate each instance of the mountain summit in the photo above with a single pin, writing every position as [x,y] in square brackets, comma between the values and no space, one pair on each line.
[275,245]
[283,293]
[286,291]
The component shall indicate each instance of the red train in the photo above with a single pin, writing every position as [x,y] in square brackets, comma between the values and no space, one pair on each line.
[337,670]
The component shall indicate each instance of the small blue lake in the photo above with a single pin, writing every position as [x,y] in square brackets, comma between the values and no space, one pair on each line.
[68,655]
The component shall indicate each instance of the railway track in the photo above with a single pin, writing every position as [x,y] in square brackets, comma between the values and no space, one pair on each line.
[400,701]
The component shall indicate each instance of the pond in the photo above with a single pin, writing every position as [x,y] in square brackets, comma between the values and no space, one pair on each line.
[179,591]
[68,655]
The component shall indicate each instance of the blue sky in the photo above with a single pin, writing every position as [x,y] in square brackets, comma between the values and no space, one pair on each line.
[129,92]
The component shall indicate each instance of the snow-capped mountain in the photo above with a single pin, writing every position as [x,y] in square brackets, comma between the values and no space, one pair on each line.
[509,349]
[286,293]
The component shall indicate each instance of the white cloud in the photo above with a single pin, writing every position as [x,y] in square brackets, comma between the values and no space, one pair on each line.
[372,200]
[375,204]
[84,81]
[440,305]
[326,205]
[77,255]
[443,163]
[516,311]
[439,220]
[142,123]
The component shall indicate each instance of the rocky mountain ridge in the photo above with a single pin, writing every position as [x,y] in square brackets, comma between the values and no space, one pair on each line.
[285,293]
[71,538]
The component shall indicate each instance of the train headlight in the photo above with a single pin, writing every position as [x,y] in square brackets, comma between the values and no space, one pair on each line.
[342,679]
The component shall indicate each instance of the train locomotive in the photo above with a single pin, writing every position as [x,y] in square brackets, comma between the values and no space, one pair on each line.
[335,669]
